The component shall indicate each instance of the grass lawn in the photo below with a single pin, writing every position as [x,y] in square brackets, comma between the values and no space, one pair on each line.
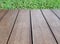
[29,4]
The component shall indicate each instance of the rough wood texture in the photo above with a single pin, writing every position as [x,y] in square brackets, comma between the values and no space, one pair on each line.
[41,32]
[54,23]
[57,12]
[21,32]
[2,13]
[29,27]
[6,25]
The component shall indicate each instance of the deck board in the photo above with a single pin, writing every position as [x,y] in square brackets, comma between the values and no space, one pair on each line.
[54,23]
[57,12]
[6,25]
[30,26]
[21,32]
[41,32]
[2,13]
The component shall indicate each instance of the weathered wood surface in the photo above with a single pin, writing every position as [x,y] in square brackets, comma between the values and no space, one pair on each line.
[57,13]
[54,23]
[21,32]
[41,32]
[6,25]
[2,13]
[29,26]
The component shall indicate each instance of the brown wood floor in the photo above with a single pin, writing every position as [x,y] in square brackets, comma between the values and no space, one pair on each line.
[30,26]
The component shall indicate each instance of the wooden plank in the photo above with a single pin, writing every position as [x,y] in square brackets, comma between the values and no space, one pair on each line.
[2,13]
[57,12]
[41,32]
[21,32]
[54,23]
[6,25]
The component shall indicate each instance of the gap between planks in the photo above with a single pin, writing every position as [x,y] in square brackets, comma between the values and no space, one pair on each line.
[54,23]
[12,27]
[57,13]
[3,13]
[40,35]
[6,25]
[32,31]
[21,33]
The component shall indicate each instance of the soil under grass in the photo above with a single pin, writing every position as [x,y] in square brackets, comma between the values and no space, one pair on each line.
[29,4]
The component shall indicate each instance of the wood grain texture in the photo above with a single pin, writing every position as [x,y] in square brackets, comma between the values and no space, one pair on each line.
[54,23]
[41,32]
[2,13]
[57,12]
[21,32]
[6,25]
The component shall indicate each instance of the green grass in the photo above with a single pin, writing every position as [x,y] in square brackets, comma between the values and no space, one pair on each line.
[29,4]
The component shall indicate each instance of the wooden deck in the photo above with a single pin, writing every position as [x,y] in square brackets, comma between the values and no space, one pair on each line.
[30,26]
